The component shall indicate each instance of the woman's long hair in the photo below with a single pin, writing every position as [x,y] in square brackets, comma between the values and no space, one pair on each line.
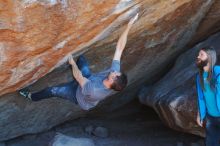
[212,58]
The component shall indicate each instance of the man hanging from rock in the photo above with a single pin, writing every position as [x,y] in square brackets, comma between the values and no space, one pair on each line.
[87,90]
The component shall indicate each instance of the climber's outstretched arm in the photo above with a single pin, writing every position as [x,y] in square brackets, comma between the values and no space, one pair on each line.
[123,39]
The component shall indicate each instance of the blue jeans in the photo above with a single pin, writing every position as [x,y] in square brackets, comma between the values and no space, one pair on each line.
[212,131]
[67,90]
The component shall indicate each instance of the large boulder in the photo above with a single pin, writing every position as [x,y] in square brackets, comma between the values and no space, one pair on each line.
[36,37]
[174,97]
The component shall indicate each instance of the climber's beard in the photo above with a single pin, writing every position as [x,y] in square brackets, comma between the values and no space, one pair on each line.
[201,63]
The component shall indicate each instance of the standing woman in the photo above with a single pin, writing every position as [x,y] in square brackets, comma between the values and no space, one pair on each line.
[208,90]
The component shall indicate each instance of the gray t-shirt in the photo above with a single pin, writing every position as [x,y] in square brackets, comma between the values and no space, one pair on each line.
[94,90]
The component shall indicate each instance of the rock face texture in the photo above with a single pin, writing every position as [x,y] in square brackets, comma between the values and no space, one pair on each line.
[36,36]
[174,97]
[209,24]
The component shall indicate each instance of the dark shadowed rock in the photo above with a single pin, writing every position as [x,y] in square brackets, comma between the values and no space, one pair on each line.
[2,144]
[89,129]
[100,132]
